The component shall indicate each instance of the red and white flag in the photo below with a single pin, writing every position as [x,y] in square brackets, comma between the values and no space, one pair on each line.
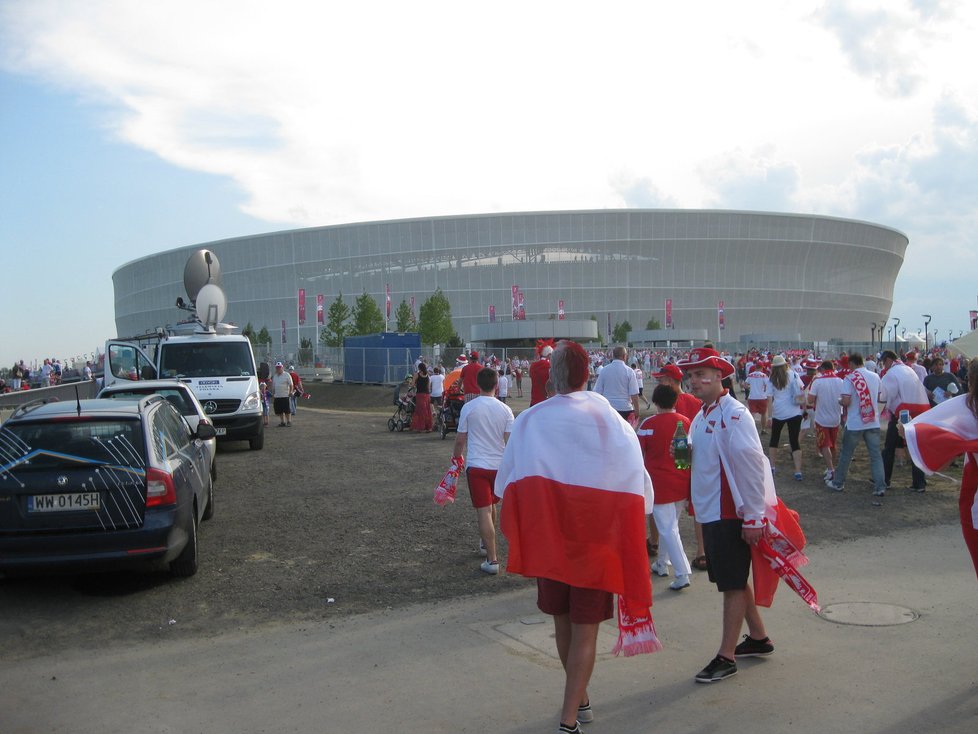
[942,433]
[574,509]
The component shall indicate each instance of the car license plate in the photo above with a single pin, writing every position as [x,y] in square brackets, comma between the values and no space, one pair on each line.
[67,502]
[221,430]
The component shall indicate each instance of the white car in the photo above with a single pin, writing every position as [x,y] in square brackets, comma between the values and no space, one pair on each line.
[177,393]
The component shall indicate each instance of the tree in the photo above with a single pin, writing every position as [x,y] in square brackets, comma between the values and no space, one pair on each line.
[263,336]
[367,316]
[619,334]
[404,317]
[653,324]
[305,351]
[336,323]
[249,331]
[435,320]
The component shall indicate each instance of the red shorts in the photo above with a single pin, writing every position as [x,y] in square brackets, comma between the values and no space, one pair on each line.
[481,483]
[585,606]
[826,437]
[757,406]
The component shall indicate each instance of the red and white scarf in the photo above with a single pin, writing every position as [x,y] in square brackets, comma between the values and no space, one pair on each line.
[867,411]
[575,498]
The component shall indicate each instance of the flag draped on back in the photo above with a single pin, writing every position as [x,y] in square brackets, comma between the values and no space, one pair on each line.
[575,498]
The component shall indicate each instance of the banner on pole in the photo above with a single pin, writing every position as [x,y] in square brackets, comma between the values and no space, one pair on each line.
[521,307]
[720,319]
[388,290]
[492,314]
[320,309]
[302,306]
[560,310]
[668,313]
[283,331]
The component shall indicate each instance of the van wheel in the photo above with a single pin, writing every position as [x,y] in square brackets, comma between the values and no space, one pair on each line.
[185,565]
[256,443]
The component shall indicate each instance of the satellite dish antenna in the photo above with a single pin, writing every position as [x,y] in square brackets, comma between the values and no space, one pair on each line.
[202,269]
[211,304]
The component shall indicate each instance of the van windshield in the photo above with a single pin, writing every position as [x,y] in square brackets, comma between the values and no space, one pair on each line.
[219,359]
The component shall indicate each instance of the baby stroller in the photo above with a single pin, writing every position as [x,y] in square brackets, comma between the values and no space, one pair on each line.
[404,400]
[451,409]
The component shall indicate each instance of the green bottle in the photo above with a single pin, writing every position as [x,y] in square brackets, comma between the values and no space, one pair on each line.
[680,447]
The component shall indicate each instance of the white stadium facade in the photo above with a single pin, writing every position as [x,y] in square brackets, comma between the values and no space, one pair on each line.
[780,277]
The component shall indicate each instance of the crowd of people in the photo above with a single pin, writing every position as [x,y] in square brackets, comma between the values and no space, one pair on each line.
[589,496]
[51,371]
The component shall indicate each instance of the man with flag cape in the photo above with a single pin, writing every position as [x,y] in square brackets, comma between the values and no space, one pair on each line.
[943,433]
[575,498]
[745,526]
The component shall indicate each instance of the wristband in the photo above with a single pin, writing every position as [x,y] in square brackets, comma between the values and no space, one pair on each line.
[753,524]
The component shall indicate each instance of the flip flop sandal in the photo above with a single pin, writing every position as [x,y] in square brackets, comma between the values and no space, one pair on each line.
[699,563]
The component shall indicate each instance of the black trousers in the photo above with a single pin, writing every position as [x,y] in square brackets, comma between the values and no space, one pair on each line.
[891,444]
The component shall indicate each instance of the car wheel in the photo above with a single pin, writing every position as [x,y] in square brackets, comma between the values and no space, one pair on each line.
[256,443]
[391,424]
[209,510]
[185,564]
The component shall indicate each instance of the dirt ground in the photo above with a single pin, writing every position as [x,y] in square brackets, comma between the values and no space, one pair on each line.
[335,517]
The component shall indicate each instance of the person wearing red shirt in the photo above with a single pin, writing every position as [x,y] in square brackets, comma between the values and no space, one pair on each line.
[470,377]
[686,404]
[671,484]
[539,375]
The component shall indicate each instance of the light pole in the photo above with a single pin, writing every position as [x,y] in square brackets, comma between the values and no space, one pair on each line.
[872,338]
[926,326]
[895,335]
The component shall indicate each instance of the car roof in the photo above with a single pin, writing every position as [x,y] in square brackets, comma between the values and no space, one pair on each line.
[91,408]
[147,385]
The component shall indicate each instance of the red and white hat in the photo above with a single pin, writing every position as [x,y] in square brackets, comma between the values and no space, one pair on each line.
[704,357]
[810,364]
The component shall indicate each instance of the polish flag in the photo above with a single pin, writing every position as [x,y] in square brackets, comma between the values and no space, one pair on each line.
[942,433]
[575,498]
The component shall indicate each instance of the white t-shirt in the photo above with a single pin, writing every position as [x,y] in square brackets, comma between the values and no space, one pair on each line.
[485,420]
[826,391]
[640,378]
[901,386]
[617,383]
[853,420]
[783,405]
[437,383]
[503,386]
[757,385]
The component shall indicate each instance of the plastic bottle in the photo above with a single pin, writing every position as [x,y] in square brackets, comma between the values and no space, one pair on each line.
[680,447]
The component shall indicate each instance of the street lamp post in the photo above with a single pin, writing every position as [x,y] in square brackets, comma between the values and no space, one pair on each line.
[872,338]
[926,326]
[895,334]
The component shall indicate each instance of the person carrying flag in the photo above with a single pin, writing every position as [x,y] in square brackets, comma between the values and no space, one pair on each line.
[575,495]
[937,436]
[732,490]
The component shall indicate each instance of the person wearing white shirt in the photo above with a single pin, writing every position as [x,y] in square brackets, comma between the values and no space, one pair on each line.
[903,391]
[823,396]
[617,382]
[860,396]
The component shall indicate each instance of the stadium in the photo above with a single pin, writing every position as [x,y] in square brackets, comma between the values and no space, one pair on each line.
[732,276]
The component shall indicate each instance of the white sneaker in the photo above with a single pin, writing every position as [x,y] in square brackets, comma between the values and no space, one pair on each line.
[490,567]
[829,474]
[680,582]
[660,569]
[482,549]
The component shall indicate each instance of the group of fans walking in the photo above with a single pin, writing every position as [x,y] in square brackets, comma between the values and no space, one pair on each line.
[588,493]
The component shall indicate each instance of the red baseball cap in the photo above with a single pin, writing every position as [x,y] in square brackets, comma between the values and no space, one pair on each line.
[670,370]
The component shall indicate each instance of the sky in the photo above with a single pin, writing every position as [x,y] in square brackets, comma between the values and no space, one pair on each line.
[130,128]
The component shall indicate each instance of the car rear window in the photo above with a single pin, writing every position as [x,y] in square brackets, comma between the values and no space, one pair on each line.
[177,398]
[60,443]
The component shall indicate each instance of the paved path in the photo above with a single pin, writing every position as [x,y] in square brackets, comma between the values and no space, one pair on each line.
[487,665]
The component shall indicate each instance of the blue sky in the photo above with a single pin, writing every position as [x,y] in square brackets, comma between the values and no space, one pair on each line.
[127,128]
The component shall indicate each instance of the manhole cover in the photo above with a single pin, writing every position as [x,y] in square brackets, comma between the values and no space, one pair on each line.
[868,614]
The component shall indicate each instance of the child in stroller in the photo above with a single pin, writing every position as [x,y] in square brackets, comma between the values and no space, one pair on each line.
[451,409]
[404,400]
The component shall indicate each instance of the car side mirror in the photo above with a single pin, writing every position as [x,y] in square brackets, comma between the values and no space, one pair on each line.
[205,431]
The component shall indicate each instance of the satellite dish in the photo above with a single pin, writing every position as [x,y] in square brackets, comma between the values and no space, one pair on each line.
[211,304]
[202,268]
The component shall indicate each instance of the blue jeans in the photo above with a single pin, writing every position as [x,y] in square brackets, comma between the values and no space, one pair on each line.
[871,437]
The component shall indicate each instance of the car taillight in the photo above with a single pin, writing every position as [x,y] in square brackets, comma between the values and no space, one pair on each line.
[159,488]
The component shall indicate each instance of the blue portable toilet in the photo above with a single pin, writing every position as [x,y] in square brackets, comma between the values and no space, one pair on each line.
[380,358]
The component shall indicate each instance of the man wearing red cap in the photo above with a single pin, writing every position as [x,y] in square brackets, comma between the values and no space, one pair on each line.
[686,404]
[540,372]
[732,491]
